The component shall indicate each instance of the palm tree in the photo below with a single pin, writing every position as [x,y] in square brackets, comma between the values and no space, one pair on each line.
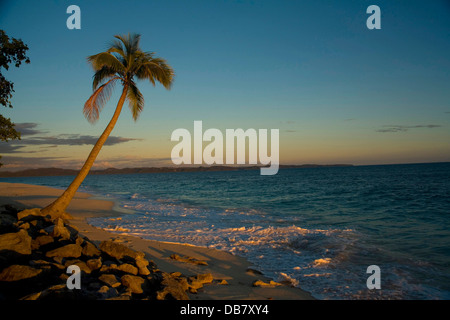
[123,61]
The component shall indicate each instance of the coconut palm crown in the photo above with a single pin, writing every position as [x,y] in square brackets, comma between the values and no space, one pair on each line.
[123,61]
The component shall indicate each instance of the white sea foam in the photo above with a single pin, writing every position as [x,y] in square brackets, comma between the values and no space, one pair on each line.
[311,258]
[281,251]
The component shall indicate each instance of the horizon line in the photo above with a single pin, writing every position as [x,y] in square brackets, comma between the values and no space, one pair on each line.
[190,168]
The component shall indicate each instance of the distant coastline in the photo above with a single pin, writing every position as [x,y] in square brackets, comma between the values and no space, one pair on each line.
[71,172]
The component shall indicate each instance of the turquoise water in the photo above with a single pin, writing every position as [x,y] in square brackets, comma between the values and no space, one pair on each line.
[319,228]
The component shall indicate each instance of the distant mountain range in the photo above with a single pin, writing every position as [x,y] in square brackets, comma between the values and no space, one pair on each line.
[72,172]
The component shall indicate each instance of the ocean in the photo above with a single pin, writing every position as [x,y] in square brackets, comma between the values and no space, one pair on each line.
[318,228]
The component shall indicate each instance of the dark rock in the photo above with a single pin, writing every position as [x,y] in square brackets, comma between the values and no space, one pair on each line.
[119,251]
[67,251]
[60,292]
[90,250]
[121,297]
[142,264]
[73,231]
[10,210]
[126,295]
[45,293]
[23,225]
[127,268]
[37,212]
[41,241]
[81,264]
[36,251]
[7,223]
[58,230]
[172,289]
[17,272]
[110,279]
[198,281]
[134,283]
[188,259]
[94,264]
[28,212]
[106,292]
[18,242]
[205,278]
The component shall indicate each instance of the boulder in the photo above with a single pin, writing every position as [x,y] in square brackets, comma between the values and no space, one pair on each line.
[58,230]
[23,225]
[90,250]
[172,289]
[127,295]
[205,278]
[106,292]
[108,267]
[142,264]
[18,242]
[128,268]
[198,281]
[45,292]
[17,272]
[60,292]
[7,223]
[110,279]
[38,212]
[94,264]
[10,210]
[41,241]
[67,251]
[81,264]
[29,212]
[134,283]
[119,251]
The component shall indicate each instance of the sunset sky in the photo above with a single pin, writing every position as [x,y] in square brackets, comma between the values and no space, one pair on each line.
[337,91]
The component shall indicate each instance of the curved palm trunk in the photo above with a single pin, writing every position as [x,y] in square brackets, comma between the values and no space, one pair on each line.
[58,207]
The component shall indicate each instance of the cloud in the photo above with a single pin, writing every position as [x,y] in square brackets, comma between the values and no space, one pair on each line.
[28,128]
[75,140]
[19,163]
[350,119]
[401,128]
[10,148]
[17,146]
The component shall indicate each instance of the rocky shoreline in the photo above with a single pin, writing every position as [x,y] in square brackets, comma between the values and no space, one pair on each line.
[36,252]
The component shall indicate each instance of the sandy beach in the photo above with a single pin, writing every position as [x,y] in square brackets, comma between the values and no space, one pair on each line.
[222,265]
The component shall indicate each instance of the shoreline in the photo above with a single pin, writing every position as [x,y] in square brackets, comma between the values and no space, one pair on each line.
[235,270]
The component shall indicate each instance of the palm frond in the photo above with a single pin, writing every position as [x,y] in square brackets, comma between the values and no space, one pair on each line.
[97,100]
[131,44]
[135,100]
[105,73]
[125,60]
[107,59]
[116,46]
[156,69]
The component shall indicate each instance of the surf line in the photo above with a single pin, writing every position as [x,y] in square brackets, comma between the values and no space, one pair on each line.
[213,153]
